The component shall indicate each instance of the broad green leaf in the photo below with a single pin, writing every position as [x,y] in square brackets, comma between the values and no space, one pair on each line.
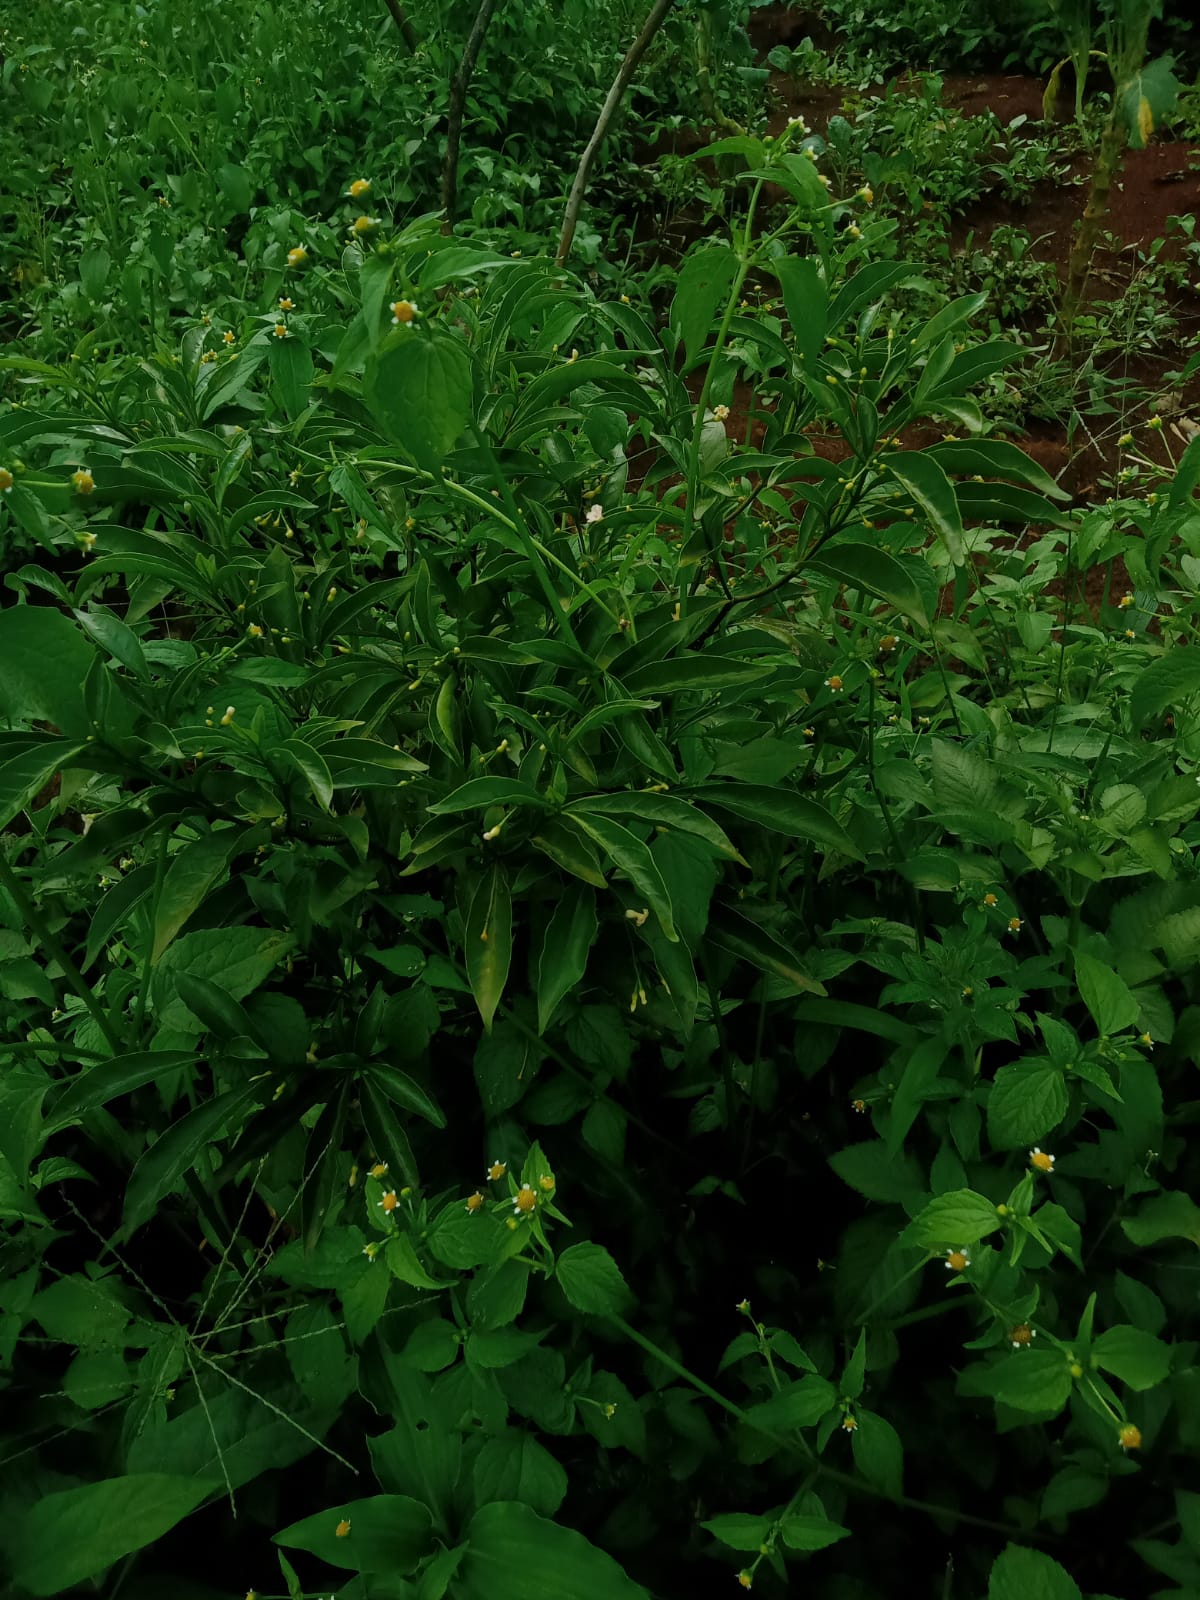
[1021,1574]
[312,767]
[488,942]
[806,300]
[961,777]
[591,1280]
[480,793]
[64,1538]
[1147,99]
[627,852]
[566,945]
[1169,681]
[1032,1380]
[930,489]
[26,767]
[1107,997]
[174,1153]
[702,674]
[799,1404]
[811,1533]
[661,811]
[744,938]
[98,1085]
[738,1529]
[44,659]
[420,389]
[1026,1101]
[1136,1357]
[194,871]
[960,1218]
[878,1453]
[115,636]
[782,811]
[385,1533]
[238,960]
[515,1464]
[1167,1216]
[406,1092]
[513,1554]
[291,364]
[877,1174]
[704,281]
[863,566]
[403,1263]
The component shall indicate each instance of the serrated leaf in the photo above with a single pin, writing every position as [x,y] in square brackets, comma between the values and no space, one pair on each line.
[959,1218]
[1026,1101]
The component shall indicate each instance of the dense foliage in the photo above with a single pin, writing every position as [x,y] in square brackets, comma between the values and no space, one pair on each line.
[600,888]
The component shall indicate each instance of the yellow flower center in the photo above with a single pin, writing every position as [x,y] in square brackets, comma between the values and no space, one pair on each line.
[525,1199]
[958,1260]
[403,310]
[1021,1334]
[496,1170]
[83,481]
[1130,1437]
[6,480]
[343,1528]
[389,1201]
[1042,1161]
[474,1201]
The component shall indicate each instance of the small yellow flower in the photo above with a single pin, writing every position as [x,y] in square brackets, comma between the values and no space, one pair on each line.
[297,256]
[83,481]
[389,1202]
[867,195]
[968,991]
[254,631]
[1021,1336]
[6,481]
[720,413]
[228,336]
[364,224]
[403,311]
[496,1171]
[379,1170]
[1130,1437]
[834,684]
[958,1260]
[1145,1039]
[849,1422]
[858,1105]
[359,187]
[163,201]
[1129,633]
[624,299]
[1156,423]
[1125,601]
[745,1579]
[547,1182]
[371,1249]
[87,539]
[810,733]
[888,643]
[281,330]
[1015,924]
[230,713]
[1125,441]
[342,1531]
[474,1201]
[1041,1160]
[525,1199]
[286,303]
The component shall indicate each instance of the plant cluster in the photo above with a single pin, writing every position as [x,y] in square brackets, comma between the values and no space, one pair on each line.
[599,922]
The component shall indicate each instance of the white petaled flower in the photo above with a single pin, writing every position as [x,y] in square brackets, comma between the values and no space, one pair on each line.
[958,1260]
[595,513]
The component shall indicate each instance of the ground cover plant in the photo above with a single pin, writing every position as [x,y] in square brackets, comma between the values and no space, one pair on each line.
[599,889]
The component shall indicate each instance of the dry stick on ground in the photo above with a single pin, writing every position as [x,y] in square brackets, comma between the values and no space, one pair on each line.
[458,106]
[615,95]
[400,17]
